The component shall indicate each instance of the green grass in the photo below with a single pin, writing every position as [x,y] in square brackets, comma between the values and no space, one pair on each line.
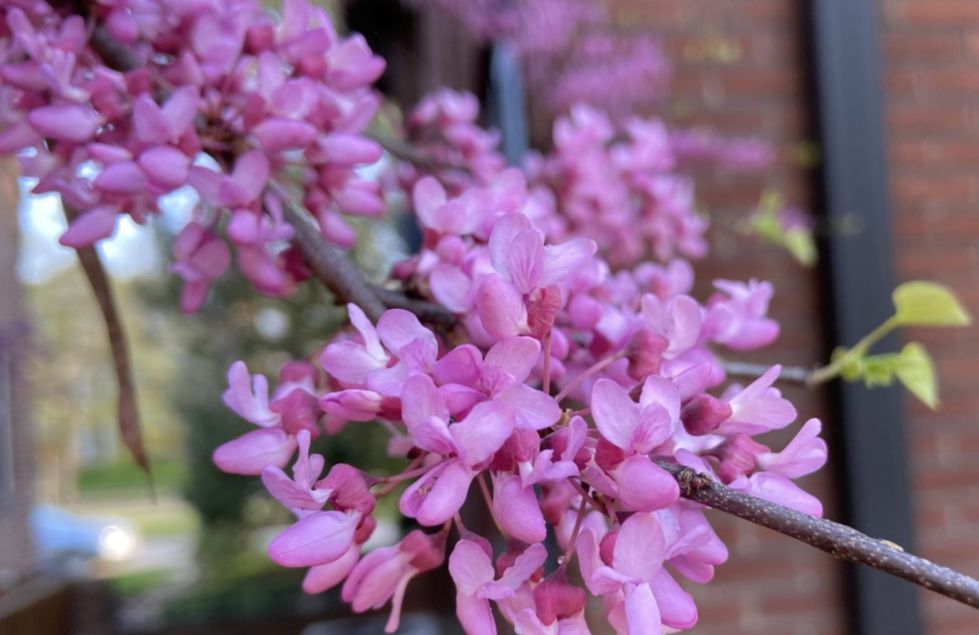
[129,585]
[124,475]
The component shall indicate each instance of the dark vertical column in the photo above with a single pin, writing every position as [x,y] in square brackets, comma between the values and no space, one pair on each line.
[871,426]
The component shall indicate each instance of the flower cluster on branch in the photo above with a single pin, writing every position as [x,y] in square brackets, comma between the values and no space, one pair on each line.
[571,381]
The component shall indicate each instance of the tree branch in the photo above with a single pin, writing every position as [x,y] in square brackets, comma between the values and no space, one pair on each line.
[751,370]
[835,539]
[414,155]
[331,266]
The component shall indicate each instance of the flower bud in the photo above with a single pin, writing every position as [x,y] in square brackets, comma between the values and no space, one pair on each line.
[555,598]
[703,413]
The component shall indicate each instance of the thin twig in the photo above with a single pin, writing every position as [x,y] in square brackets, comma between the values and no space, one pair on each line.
[415,155]
[838,540]
[127,409]
[750,370]
[425,310]
[331,266]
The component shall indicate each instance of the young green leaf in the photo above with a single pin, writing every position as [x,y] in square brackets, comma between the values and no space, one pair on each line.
[915,370]
[921,303]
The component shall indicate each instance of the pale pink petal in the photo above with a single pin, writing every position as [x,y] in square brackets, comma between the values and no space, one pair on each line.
[641,610]
[560,261]
[517,509]
[515,355]
[616,415]
[643,485]
[323,577]
[316,539]
[501,308]
[428,196]
[462,365]
[482,432]
[676,606]
[438,495]
[805,454]
[531,407]
[639,547]
[251,453]
[451,287]
[470,567]
[475,614]
[398,328]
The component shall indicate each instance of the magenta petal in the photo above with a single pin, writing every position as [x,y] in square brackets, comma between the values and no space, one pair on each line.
[676,606]
[428,196]
[66,122]
[501,308]
[515,355]
[91,226]
[316,539]
[642,612]
[279,134]
[616,415]
[323,577]
[644,486]
[482,432]
[462,365]
[121,178]
[451,287]
[251,453]
[639,547]
[438,495]
[350,149]
[165,166]
[560,261]
[532,408]
[475,614]
[470,567]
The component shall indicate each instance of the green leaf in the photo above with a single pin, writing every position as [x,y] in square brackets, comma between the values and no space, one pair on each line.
[800,244]
[915,370]
[878,370]
[921,303]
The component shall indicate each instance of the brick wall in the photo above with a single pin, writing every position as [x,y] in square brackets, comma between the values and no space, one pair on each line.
[931,50]
[740,69]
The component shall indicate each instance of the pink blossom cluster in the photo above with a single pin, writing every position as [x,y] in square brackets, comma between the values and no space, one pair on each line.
[698,146]
[618,185]
[571,51]
[260,96]
[554,402]
[575,370]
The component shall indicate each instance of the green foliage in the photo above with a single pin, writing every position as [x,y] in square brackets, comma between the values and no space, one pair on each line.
[768,224]
[916,303]
[915,370]
[922,303]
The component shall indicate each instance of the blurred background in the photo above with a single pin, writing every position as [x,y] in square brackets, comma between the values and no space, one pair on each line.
[863,112]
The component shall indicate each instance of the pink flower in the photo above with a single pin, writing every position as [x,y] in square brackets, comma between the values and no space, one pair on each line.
[384,574]
[472,571]
[201,258]
[759,407]
[636,430]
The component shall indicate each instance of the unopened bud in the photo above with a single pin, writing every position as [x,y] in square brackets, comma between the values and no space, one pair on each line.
[703,413]
[555,598]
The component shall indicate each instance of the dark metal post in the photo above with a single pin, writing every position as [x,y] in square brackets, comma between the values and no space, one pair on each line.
[844,34]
